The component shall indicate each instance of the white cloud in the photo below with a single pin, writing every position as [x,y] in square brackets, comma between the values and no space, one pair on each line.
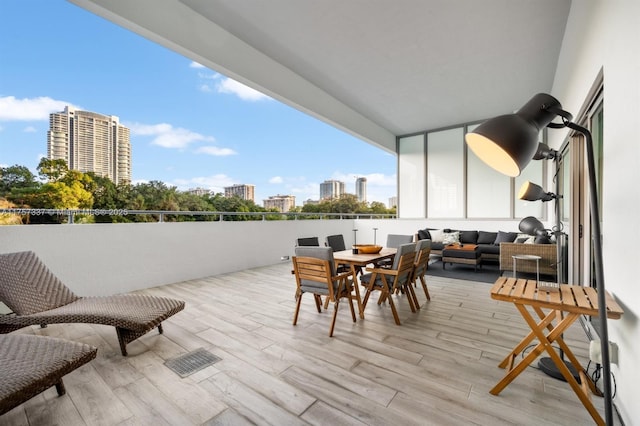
[30,129]
[12,109]
[215,151]
[215,183]
[373,179]
[245,93]
[209,76]
[195,64]
[276,179]
[205,88]
[303,190]
[165,135]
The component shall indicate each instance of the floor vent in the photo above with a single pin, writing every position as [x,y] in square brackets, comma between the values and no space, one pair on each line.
[189,363]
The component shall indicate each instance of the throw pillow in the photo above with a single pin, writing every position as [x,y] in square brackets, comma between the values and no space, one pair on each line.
[525,239]
[505,237]
[451,238]
[486,237]
[469,237]
[437,235]
[424,234]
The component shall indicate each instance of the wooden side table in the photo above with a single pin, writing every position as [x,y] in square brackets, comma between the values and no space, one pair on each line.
[564,306]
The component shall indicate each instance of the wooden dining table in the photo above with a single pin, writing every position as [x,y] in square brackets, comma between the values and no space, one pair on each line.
[360,260]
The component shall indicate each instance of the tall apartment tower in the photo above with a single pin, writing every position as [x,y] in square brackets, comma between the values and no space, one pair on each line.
[243,191]
[283,203]
[361,189]
[330,189]
[90,142]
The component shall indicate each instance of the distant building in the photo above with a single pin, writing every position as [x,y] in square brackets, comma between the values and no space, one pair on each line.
[246,192]
[393,202]
[198,191]
[330,189]
[283,203]
[361,189]
[310,201]
[90,142]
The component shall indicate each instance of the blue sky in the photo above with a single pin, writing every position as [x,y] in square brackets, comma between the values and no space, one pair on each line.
[190,126]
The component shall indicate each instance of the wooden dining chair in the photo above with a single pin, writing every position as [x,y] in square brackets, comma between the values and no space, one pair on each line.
[388,280]
[423,251]
[308,242]
[315,272]
[394,241]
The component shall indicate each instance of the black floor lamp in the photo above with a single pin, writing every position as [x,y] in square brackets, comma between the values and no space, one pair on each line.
[507,143]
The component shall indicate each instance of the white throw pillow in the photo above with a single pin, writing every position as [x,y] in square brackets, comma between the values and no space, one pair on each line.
[451,238]
[437,235]
[525,239]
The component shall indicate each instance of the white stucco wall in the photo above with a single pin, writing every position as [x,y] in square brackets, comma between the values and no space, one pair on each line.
[104,259]
[605,35]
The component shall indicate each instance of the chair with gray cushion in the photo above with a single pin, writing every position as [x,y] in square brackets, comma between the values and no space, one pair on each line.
[390,280]
[37,297]
[315,272]
[336,242]
[308,242]
[423,251]
[394,241]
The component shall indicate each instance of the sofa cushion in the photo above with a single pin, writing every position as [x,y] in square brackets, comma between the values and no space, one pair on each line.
[436,246]
[437,235]
[489,249]
[486,237]
[505,237]
[424,234]
[451,238]
[469,237]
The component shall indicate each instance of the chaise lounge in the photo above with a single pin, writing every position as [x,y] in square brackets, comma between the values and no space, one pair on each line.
[32,364]
[37,297]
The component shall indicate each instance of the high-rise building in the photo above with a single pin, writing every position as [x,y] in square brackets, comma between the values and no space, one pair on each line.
[283,203]
[393,202]
[90,142]
[198,191]
[361,189]
[243,191]
[330,189]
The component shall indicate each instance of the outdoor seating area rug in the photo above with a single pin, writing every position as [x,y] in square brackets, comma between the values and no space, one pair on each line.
[489,272]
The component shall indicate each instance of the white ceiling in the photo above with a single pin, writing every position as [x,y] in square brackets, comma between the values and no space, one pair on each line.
[375,68]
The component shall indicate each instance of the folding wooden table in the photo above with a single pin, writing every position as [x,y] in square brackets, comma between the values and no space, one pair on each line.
[565,306]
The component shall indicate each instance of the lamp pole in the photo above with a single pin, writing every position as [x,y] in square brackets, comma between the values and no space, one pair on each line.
[598,261]
[507,143]
[558,231]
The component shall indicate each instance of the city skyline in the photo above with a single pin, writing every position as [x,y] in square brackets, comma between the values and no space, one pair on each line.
[190,126]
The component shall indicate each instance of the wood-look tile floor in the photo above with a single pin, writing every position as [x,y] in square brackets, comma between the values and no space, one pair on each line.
[435,369]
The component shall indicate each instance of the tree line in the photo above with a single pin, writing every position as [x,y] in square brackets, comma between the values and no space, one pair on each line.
[57,187]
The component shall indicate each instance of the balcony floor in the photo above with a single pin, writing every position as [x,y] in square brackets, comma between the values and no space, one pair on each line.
[437,368]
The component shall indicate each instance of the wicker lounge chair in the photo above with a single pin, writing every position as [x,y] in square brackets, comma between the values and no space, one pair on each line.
[32,364]
[37,297]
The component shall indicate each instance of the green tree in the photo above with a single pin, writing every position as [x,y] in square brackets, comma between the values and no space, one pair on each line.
[16,177]
[378,207]
[52,170]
